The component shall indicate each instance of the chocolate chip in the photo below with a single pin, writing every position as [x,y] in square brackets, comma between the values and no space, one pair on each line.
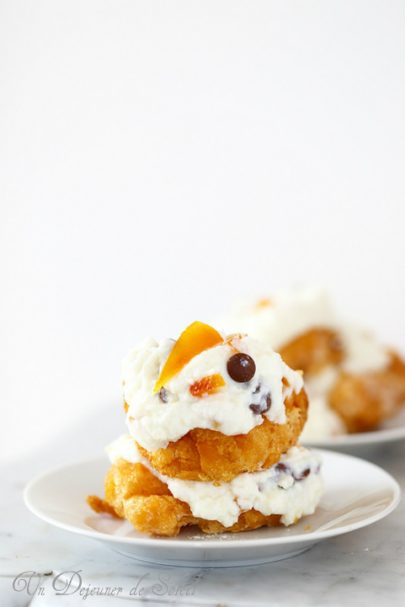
[263,406]
[281,467]
[241,367]
[268,402]
[163,395]
[304,474]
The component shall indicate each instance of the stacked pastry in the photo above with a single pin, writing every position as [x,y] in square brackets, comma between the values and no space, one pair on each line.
[213,423]
[353,382]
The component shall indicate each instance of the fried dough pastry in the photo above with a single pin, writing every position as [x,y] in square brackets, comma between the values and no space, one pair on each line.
[134,493]
[208,455]
[364,401]
[313,350]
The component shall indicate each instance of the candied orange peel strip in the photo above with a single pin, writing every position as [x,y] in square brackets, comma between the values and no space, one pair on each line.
[207,385]
[194,340]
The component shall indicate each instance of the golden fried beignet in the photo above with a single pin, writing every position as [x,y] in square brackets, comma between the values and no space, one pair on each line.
[207,455]
[134,493]
[313,350]
[364,401]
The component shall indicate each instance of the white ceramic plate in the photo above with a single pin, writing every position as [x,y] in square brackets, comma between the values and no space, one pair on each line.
[391,430]
[357,494]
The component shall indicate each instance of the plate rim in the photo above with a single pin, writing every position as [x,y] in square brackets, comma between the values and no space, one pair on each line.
[311,536]
[375,437]
[370,438]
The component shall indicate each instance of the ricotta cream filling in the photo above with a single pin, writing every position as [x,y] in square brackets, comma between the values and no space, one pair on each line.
[322,420]
[292,488]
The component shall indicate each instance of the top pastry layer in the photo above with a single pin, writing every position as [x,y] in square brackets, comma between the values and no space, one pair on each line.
[204,393]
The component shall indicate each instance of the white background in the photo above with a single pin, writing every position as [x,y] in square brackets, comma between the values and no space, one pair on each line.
[160,159]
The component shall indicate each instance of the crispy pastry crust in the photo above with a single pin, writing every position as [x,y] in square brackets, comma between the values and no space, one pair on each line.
[208,455]
[134,493]
[363,401]
[313,350]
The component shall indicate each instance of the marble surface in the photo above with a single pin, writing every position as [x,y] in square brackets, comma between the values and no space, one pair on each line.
[353,569]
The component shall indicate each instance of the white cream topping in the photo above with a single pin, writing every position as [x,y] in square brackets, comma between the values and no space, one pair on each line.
[363,353]
[322,420]
[292,313]
[154,423]
[286,489]
[124,447]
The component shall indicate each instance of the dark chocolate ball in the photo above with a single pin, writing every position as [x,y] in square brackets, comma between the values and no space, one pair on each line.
[263,406]
[241,367]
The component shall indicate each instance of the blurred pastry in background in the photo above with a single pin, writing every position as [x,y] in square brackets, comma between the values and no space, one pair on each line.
[213,423]
[353,382]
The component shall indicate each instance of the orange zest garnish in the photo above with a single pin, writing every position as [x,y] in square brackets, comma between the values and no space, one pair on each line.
[264,302]
[229,339]
[207,385]
[194,340]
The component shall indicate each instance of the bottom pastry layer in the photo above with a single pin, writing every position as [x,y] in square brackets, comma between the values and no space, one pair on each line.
[159,505]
